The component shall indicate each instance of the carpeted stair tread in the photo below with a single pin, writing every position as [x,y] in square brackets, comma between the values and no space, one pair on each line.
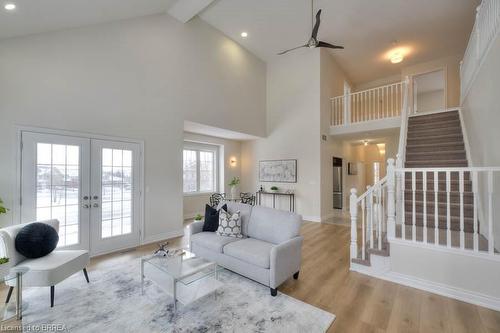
[436,164]
[420,132]
[442,221]
[434,124]
[430,155]
[440,146]
[433,117]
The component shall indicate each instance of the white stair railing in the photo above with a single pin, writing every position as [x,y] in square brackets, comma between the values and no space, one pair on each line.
[486,28]
[430,196]
[368,214]
[368,105]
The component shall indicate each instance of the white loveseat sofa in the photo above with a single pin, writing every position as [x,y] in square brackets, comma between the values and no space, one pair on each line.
[270,253]
[46,271]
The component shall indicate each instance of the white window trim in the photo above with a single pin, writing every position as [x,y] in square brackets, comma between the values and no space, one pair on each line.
[202,147]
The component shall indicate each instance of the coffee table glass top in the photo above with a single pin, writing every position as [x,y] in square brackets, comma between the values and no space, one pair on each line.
[186,268]
[12,309]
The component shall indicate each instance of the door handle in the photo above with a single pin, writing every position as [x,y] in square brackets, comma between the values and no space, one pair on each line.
[86,206]
[95,205]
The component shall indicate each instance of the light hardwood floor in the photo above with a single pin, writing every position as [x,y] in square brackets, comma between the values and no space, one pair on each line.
[361,303]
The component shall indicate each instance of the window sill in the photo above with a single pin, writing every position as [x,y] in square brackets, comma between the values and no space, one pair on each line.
[198,194]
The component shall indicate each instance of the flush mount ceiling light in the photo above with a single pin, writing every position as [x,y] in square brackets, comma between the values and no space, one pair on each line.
[397,57]
[9,6]
[397,53]
[244,34]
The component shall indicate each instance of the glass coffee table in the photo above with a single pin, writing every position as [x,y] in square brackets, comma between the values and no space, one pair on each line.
[11,310]
[185,277]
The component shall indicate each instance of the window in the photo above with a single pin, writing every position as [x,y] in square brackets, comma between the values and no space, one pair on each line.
[200,168]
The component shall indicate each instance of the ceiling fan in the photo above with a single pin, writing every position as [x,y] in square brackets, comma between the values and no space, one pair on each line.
[313,41]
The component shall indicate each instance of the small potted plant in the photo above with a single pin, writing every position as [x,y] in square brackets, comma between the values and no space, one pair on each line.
[3,210]
[198,218]
[233,184]
[4,267]
[274,189]
[4,262]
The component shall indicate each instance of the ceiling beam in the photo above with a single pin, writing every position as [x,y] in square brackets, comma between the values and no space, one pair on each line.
[185,10]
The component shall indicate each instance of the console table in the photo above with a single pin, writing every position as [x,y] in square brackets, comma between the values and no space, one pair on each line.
[291,198]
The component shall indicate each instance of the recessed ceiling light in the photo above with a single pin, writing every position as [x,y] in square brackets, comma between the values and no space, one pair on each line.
[9,6]
[244,34]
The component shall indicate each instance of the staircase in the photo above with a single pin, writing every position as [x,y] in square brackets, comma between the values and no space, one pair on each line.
[436,141]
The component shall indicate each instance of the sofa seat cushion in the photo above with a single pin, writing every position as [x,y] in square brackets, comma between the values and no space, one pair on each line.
[54,267]
[212,241]
[250,250]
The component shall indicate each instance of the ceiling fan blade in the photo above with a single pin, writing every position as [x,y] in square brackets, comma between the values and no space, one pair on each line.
[316,26]
[298,47]
[328,45]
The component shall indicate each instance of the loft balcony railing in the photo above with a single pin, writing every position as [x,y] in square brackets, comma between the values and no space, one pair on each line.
[368,105]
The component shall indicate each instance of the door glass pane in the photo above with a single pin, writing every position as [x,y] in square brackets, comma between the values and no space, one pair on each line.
[206,171]
[58,187]
[189,165]
[116,193]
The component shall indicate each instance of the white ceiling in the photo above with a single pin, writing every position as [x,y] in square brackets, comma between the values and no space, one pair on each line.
[367,28]
[433,28]
[35,16]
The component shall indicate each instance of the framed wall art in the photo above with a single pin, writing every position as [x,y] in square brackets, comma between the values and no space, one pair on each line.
[278,171]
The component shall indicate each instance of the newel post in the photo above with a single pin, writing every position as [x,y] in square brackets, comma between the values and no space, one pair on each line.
[391,202]
[353,209]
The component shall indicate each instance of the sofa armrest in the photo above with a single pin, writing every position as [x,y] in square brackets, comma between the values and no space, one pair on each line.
[285,260]
[194,228]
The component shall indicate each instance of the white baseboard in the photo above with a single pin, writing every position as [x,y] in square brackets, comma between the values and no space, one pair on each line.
[162,236]
[311,218]
[433,287]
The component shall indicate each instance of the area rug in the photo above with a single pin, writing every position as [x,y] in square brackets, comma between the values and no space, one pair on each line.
[112,302]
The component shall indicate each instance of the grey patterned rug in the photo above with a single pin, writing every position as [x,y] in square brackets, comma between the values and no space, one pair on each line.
[112,302]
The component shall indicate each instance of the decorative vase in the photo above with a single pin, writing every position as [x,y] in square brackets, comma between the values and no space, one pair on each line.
[233,192]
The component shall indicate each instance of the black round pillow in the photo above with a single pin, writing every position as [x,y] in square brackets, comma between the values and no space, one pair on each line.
[36,240]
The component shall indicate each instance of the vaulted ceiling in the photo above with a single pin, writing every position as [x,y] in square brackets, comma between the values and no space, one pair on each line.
[367,28]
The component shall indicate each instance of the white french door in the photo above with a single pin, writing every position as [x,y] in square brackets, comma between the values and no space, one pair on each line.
[91,186]
[115,192]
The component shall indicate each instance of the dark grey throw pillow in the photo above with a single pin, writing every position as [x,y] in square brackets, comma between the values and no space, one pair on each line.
[212,218]
[36,240]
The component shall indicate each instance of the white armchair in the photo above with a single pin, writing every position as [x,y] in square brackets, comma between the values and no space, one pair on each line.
[46,271]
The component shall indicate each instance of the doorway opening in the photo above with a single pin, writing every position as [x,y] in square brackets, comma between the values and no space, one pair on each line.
[429,91]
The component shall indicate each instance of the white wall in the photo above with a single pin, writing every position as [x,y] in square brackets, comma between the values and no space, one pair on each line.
[469,278]
[195,204]
[430,101]
[138,78]
[332,84]
[293,127]
[481,113]
[451,65]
